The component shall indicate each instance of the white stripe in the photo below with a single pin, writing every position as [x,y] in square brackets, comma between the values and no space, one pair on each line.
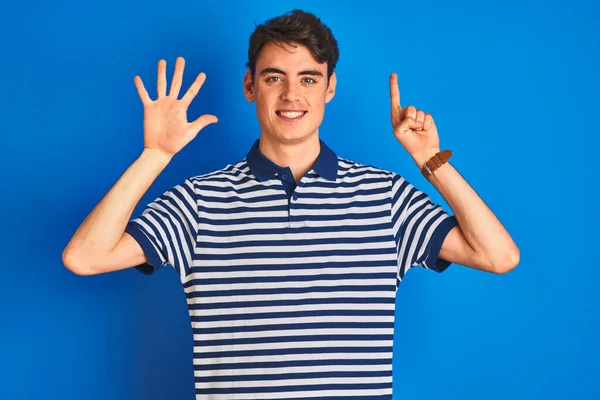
[296,260]
[293,357]
[283,225]
[295,332]
[296,394]
[241,310]
[294,249]
[254,273]
[294,345]
[292,320]
[294,382]
[292,236]
[289,285]
[234,373]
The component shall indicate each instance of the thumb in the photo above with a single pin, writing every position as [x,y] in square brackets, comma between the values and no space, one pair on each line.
[408,124]
[203,121]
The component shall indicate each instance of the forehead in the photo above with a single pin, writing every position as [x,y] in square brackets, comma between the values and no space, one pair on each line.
[290,57]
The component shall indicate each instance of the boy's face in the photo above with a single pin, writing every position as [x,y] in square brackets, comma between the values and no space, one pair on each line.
[288,81]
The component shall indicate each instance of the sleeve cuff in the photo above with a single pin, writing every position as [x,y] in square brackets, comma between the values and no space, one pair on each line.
[432,260]
[155,261]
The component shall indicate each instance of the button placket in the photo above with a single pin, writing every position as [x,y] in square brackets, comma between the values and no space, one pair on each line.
[295,220]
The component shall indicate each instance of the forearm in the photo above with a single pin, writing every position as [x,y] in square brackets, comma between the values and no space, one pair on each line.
[102,229]
[482,230]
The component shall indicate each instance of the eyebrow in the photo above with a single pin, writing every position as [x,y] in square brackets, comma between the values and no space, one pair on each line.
[269,70]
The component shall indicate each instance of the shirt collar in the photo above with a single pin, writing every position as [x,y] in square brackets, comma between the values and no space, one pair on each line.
[263,168]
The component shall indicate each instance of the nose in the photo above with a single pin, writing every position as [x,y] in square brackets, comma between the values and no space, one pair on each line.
[290,91]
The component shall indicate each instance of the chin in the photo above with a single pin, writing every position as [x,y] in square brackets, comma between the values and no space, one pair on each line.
[288,135]
[294,137]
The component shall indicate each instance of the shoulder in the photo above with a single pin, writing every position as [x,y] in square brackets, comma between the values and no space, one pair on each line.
[351,170]
[231,174]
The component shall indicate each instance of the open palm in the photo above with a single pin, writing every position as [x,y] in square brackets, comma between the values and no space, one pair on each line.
[165,119]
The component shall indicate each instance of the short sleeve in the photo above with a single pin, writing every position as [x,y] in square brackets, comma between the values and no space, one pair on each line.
[420,227]
[167,230]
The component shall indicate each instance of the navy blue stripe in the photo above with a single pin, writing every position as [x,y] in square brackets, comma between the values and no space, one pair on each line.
[284,339]
[295,388]
[268,291]
[293,363]
[290,314]
[206,267]
[294,375]
[293,242]
[303,350]
[226,185]
[280,327]
[284,207]
[262,220]
[295,302]
[219,201]
[288,255]
[294,278]
[307,229]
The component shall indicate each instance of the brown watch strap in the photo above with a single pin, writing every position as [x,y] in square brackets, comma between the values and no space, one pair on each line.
[435,162]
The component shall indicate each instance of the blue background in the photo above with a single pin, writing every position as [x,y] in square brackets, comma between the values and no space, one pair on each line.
[513,87]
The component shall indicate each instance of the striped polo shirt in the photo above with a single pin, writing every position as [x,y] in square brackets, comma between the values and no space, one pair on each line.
[291,288]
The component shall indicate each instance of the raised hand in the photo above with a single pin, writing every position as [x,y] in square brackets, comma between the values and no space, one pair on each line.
[165,119]
[413,128]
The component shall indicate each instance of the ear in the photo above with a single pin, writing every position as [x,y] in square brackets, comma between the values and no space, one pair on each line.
[331,88]
[249,87]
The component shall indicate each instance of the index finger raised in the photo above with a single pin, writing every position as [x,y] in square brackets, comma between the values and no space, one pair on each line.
[394,91]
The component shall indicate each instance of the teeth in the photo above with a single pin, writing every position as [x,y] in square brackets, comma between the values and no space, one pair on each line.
[291,114]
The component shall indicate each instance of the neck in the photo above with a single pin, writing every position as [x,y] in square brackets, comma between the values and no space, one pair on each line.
[300,156]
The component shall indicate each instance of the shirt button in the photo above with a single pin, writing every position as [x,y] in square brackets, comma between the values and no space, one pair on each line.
[295,197]
[284,176]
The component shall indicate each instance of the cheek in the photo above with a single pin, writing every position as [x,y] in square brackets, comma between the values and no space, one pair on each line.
[263,103]
[318,105]
[262,108]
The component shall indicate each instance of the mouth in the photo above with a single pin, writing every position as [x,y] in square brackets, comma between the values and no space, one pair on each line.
[291,116]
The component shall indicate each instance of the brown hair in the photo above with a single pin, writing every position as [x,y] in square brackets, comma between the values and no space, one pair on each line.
[295,27]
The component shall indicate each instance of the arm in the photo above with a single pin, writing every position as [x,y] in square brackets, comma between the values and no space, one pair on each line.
[101,243]
[479,241]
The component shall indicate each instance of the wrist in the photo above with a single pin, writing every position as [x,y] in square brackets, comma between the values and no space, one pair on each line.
[421,158]
[156,155]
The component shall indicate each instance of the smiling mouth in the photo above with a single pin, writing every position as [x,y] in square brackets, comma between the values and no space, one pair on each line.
[291,116]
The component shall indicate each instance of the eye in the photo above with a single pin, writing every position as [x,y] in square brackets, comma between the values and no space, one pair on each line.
[311,79]
[269,79]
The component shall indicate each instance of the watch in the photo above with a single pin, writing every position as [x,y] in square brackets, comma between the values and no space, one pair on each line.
[435,162]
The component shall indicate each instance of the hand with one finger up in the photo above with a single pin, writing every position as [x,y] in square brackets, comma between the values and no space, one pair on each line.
[414,129]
